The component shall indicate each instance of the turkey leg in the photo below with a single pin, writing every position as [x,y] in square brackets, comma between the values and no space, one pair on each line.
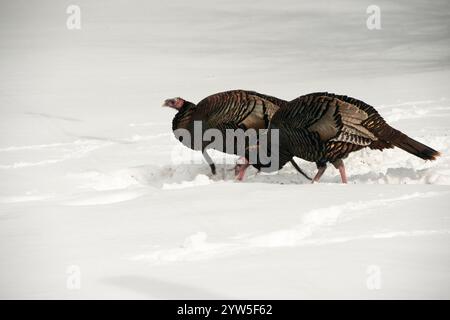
[241,167]
[320,171]
[339,164]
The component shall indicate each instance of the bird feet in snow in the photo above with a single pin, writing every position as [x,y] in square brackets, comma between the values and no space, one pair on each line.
[319,173]
[241,166]
[339,164]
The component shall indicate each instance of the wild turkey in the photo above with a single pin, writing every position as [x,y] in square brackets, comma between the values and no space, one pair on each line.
[324,127]
[236,109]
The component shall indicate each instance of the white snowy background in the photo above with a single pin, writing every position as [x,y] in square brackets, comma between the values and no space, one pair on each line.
[98,200]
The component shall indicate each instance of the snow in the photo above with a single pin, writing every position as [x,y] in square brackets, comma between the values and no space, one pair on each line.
[92,177]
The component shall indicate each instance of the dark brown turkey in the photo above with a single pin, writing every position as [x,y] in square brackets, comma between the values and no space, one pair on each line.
[324,127]
[236,109]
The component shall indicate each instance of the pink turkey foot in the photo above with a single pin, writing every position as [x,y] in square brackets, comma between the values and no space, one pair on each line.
[339,164]
[241,166]
[342,172]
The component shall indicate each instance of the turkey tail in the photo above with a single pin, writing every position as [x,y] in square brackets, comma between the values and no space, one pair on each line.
[412,146]
[415,147]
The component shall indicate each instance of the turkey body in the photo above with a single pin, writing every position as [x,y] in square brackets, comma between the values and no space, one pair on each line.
[324,127]
[236,109]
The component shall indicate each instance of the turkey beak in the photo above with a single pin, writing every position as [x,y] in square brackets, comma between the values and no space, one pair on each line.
[165,104]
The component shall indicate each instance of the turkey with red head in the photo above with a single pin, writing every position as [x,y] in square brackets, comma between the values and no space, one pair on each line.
[236,109]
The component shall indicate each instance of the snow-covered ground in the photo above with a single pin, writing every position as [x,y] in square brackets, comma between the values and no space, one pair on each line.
[93,187]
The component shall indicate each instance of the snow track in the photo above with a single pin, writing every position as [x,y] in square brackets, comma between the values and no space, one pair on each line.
[310,230]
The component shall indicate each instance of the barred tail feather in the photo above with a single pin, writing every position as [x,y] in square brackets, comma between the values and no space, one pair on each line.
[393,137]
[416,148]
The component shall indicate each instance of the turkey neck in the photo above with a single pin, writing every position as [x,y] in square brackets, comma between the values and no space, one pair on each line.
[183,116]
